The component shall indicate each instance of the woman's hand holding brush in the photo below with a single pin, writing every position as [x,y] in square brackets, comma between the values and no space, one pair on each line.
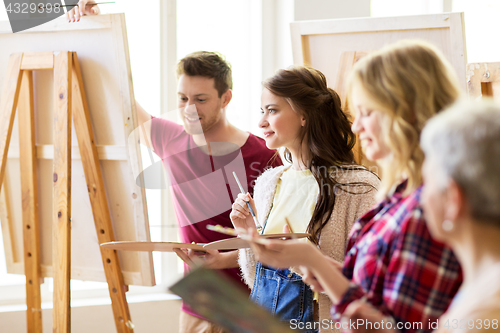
[241,216]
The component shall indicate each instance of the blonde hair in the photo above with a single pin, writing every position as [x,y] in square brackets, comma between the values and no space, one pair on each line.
[411,81]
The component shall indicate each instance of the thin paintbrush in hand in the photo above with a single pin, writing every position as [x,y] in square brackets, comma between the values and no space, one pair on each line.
[290,230]
[248,203]
[89,4]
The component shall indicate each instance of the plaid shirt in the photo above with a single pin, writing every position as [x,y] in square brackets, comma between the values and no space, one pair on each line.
[392,260]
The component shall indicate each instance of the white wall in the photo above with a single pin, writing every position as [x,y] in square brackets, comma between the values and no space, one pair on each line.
[154,316]
[329,9]
[481,28]
[278,14]
[384,8]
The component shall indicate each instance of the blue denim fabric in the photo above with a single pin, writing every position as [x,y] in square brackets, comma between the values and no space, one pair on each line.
[284,294]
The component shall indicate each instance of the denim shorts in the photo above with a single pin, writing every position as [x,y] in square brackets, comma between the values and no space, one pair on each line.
[284,294]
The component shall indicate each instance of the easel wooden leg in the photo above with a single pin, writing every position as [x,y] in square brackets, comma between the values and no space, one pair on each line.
[61,233]
[347,61]
[97,195]
[486,89]
[31,238]
[10,95]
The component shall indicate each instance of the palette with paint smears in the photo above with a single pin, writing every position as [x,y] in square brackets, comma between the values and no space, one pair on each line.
[242,241]
[151,246]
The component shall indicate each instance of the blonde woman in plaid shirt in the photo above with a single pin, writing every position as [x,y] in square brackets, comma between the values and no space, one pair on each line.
[460,198]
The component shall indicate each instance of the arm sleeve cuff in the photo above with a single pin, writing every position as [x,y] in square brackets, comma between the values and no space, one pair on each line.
[354,292]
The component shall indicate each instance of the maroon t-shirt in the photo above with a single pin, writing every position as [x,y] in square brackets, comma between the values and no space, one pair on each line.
[203,185]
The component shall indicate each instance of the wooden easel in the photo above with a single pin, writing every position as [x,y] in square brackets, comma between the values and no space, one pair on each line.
[321,43]
[347,61]
[69,101]
[482,78]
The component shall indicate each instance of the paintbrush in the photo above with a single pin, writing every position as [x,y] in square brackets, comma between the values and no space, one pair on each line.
[292,236]
[248,203]
[89,4]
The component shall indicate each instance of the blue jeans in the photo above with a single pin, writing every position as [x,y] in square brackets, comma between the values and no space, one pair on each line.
[284,294]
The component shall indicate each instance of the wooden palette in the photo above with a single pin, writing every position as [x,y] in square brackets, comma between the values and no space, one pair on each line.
[151,246]
[239,243]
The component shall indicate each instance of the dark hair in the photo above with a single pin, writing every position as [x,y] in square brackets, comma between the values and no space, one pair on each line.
[327,130]
[207,64]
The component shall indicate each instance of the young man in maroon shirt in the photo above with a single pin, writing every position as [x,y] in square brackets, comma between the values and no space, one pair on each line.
[200,157]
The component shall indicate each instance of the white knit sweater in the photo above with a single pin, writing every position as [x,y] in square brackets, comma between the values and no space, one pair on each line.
[333,240]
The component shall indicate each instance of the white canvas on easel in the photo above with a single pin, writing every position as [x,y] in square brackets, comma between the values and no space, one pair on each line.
[325,44]
[102,48]
[320,43]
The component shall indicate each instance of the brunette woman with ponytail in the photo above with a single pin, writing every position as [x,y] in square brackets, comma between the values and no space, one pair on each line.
[323,192]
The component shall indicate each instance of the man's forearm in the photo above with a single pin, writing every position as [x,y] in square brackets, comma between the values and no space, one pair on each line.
[144,120]
[142,115]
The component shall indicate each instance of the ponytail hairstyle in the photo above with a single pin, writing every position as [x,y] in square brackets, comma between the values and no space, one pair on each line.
[411,81]
[327,132]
